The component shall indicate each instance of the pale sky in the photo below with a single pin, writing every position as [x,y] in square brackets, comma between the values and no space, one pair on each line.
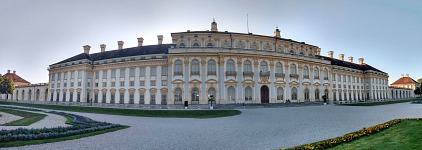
[37,33]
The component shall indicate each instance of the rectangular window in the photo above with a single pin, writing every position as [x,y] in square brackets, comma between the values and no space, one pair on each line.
[122,73]
[78,97]
[164,99]
[152,101]
[132,72]
[164,71]
[153,83]
[72,75]
[97,75]
[79,84]
[72,84]
[141,83]
[95,97]
[105,74]
[112,98]
[164,83]
[153,71]
[71,97]
[132,83]
[142,72]
[89,75]
[113,84]
[141,98]
[79,74]
[131,97]
[58,85]
[59,77]
[89,84]
[65,76]
[113,73]
[104,97]
[96,84]
[122,83]
[104,84]
[64,84]
[122,98]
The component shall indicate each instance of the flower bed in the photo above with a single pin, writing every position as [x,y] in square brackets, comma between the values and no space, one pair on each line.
[351,136]
[81,125]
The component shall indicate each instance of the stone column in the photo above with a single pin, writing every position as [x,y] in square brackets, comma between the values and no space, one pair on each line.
[257,89]
[273,92]
[203,73]
[239,78]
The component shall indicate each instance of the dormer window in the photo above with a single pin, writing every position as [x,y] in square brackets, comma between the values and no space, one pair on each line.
[195,45]
[292,52]
[182,45]
[209,45]
[301,54]
[254,47]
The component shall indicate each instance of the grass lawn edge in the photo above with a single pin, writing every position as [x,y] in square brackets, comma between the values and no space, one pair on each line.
[28,117]
[73,137]
[377,103]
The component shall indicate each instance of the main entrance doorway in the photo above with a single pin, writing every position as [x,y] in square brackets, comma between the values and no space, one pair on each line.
[265,94]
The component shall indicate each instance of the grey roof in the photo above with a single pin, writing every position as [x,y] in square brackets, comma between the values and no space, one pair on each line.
[127,52]
[347,64]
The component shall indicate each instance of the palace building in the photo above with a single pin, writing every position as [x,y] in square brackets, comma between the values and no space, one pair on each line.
[233,67]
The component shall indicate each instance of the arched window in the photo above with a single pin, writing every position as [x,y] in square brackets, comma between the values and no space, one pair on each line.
[30,95]
[310,55]
[231,94]
[306,94]
[325,74]
[37,97]
[230,65]
[211,92]
[301,54]
[326,94]
[178,67]
[279,50]
[247,66]
[182,45]
[279,68]
[248,93]
[195,45]
[178,96]
[316,94]
[209,45]
[23,94]
[294,93]
[211,67]
[306,72]
[195,67]
[45,95]
[195,95]
[225,45]
[254,47]
[345,96]
[335,96]
[316,73]
[293,70]
[267,48]
[240,46]
[280,93]
[292,52]
[17,95]
[264,67]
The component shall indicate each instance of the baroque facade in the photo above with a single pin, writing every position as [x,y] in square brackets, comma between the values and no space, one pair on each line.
[233,67]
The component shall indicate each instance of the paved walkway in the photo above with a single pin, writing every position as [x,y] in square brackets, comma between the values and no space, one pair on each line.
[6,118]
[51,120]
[261,128]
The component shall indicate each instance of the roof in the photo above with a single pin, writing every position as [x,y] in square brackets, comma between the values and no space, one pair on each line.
[404,80]
[347,64]
[15,78]
[226,32]
[126,52]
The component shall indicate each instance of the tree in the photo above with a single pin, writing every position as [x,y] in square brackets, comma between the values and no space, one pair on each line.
[7,86]
[420,83]
[1,85]
[418,91]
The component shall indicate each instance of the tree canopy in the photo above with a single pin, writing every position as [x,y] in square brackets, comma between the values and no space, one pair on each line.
[6,85]
[418,91]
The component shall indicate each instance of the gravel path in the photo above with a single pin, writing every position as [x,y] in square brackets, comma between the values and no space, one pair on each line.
[6,118]
[267,128]
[51,120]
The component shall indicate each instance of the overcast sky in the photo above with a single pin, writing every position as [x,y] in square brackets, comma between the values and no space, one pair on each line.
[37,33]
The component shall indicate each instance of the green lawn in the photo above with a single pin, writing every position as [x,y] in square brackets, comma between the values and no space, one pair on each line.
[32,142]
[377,103]
[406,135]
[136,112]
[28,117]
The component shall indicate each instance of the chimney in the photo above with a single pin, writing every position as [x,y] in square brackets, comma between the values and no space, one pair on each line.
[361,61]
[277,33]
[160,39]
[8,71]
[140,41]
[407,75]
[350,59]
[86,49]
[341,57]
[120,44]
[103,47]
[14,72]
[330,54]
[214,25]
[402,75]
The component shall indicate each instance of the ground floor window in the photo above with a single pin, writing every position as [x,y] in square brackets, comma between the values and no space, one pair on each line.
[112,98]
[122,98]
[104,97]
[152,99]
[131,97]
[280,93]
[71,97]
[248,94]
[317,94]
[141,98]
[57,96]
[294,93]
[306,94]
[163,99]
[64,97]
[231,93]
[78,97]
[95,97]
